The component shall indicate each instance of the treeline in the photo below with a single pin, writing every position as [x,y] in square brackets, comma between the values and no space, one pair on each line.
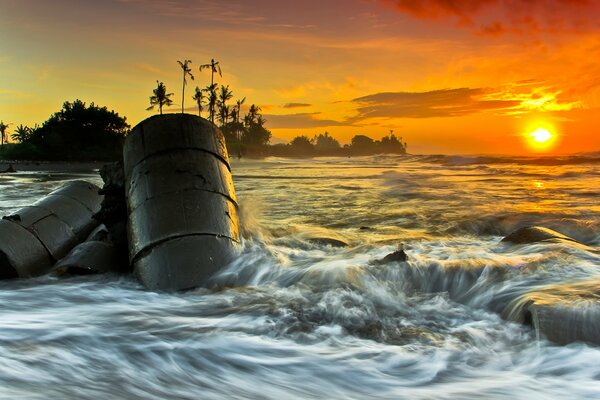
[326,145]
[78,132]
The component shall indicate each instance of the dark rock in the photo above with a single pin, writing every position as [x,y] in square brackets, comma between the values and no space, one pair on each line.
[397,256]
[534,234]
[113,213]
[325,241]
[561,313]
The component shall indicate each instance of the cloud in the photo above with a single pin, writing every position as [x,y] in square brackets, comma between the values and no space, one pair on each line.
[209,10]
[520,97]
[436,103]
[296,105]
[299,120]
[497,17]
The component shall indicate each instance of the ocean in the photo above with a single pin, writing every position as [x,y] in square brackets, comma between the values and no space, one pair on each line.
[297,318]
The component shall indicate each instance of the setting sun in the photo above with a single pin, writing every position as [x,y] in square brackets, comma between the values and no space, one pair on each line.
[541,135]
[541,138]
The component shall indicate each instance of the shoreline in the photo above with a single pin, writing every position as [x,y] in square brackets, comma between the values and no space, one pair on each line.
[51,166]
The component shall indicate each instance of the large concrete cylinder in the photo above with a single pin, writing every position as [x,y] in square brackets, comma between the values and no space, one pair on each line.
[183,223]
[35,237]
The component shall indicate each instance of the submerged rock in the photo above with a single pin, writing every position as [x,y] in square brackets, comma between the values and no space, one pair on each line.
[397,256]
[534,234]
[326,241]
[561,313]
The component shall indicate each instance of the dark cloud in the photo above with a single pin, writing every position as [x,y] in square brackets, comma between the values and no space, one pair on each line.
[497,17]
[436,103]
[296,105]
[299,120]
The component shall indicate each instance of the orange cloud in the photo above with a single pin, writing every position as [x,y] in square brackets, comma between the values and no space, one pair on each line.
[496,17]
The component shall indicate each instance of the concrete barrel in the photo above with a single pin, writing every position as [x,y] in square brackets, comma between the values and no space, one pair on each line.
[183,222]
[36,236]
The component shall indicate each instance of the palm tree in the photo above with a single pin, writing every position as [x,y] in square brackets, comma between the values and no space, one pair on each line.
[238,106]
[160,98]
[214,67]
[253,114]
[186,71]
[235,115]
[224,95]
[22,133]
[199,97]
[3,128]
[212,100]
[223,115]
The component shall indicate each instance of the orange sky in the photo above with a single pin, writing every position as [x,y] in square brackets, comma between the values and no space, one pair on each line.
[471,76]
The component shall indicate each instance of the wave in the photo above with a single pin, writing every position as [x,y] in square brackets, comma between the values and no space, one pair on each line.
[456,160]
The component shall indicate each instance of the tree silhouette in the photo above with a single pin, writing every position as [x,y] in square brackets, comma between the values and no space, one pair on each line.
[224,95]
[326,143]
[212,98]
[302,146]
[21,134]
[214,67]
[186,72]
[80,132]
[199,98]
[3,137]
[255,135]
[238,108]
[160,97]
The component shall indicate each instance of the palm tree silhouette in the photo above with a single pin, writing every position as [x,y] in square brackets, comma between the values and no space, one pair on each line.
[224,95]
[22,133]
[3,128]
[199,98]
[235,114]
[238,106]
[214,67]
[160,98]
[212,100]
[187,71]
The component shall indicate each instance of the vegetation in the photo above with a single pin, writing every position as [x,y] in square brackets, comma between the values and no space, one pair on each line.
[78,132]
[160,97]
[199,99]
[187,71]
[326,145]
[3,133]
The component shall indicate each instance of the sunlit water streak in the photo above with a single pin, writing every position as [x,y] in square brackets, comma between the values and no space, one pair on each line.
[295,319]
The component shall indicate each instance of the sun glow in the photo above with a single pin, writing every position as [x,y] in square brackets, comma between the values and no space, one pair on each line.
[541,139]
[541,135]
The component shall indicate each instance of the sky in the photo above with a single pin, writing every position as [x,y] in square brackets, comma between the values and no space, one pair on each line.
[449,76]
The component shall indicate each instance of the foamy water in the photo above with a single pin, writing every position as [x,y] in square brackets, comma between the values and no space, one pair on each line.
[292,318]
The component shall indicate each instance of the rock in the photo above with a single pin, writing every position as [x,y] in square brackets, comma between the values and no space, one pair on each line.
[534,234]
[397,256]
[325,241]
[113,213]
[561,313]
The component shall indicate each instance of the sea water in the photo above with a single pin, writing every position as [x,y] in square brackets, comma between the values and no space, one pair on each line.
[297,318]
